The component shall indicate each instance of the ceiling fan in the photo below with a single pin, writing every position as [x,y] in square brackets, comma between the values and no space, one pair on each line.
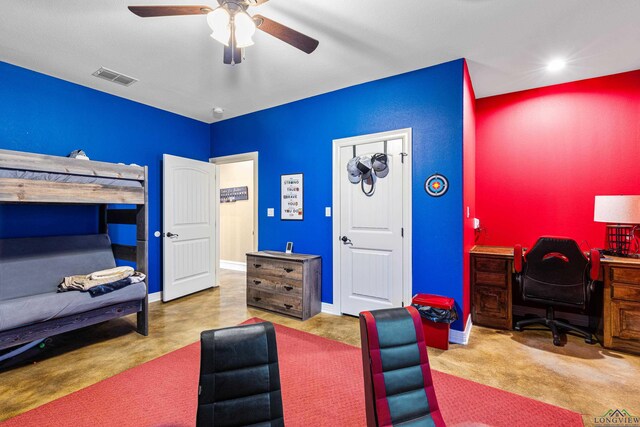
[233,26]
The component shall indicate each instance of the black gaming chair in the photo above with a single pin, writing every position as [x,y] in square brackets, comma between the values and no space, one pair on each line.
[239,378]
[555,272]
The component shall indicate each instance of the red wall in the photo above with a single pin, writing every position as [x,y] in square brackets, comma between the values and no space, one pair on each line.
[469,182]
[543,154]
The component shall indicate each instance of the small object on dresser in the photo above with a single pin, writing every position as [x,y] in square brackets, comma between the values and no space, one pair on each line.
[289,248]
[78,154]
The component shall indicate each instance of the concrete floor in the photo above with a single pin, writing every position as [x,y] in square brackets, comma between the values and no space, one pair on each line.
[586,379]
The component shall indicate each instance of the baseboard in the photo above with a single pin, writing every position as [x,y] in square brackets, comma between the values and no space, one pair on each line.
[155,297]
[461,337]
[329,309]
[233,265]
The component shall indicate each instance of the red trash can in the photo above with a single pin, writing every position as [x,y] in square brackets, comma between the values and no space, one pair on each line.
[436,334]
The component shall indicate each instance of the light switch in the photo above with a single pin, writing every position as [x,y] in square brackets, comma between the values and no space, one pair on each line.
[270,212]
[327,211]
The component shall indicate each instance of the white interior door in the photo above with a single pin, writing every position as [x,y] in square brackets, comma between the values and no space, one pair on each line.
[371,259]
[188,225]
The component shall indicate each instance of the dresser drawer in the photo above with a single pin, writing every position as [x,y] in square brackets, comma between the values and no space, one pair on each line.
[491,279]
[280,285]
[257,266]
[260,283]
[625,320]
[621,291]
[277,302]
[626,275]
[491,307]
[487,264]
[490,302]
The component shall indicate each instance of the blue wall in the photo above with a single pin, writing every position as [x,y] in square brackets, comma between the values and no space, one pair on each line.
[42,114]
[297,137]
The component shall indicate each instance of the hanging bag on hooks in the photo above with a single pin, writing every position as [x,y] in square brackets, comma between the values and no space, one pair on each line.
[368,177]
[370,181]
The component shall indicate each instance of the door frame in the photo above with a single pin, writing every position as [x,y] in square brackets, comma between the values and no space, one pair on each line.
[407,262]
[235,158]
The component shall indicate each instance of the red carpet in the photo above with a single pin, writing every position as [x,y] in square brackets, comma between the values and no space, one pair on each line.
[321,386]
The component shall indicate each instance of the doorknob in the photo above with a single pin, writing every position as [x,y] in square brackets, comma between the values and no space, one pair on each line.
[171,235]
[346,240]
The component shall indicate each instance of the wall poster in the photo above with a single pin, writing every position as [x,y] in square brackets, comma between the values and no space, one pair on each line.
[291,197]
[228,195]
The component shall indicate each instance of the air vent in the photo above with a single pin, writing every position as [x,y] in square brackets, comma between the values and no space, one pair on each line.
[114,76]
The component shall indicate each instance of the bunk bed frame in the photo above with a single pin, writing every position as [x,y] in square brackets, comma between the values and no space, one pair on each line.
[24,190]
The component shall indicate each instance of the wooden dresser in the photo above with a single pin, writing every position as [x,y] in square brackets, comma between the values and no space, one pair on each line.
[285,283]
[492,295]
[491,288]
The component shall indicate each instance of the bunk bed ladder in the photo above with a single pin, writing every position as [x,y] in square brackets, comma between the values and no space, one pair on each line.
[138,253]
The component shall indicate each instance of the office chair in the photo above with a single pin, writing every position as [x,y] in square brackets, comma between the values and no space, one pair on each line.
[555,272]
[239,378]
[397,377]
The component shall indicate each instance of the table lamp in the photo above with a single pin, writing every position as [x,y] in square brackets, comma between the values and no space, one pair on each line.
[622,215]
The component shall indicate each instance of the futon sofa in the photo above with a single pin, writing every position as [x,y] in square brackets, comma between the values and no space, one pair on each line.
[30,271]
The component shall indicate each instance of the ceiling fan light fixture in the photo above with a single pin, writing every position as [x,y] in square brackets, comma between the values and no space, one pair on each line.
[245,28]
[219,21]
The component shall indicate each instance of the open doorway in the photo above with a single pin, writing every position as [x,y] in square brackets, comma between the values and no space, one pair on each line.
[236,204]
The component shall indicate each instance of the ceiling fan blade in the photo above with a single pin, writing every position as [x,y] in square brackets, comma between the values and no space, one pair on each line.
[286,34]
[228,55]
[152,11]
[245,3]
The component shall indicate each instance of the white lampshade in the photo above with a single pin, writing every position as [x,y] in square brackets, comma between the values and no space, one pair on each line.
[617,209]
[220,22]
[245,28]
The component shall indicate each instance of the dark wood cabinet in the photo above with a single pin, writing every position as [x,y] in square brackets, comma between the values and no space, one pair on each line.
[491,291]
[622,307]
[284,283]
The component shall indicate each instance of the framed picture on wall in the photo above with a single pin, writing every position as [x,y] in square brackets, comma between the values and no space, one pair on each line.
[291,200]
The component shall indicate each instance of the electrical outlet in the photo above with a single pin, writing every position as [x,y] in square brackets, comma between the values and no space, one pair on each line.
[271,212]
[476,223]
[327,211]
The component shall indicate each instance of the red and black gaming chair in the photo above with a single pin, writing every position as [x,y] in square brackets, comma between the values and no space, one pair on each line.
[556,272]
[397,378]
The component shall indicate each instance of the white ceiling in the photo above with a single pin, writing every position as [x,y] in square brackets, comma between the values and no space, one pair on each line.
[507,43]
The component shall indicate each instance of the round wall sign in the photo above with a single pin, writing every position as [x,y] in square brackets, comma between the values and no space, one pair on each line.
[436,185]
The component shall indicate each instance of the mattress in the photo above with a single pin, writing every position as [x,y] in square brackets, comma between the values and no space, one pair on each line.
[51,305]
[61,177]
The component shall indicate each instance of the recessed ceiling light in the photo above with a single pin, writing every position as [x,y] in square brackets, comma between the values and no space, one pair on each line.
[556,65]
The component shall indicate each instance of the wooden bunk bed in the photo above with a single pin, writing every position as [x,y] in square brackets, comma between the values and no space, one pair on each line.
[35,178]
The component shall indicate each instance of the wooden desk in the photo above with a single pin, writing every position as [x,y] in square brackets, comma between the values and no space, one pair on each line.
[492,295]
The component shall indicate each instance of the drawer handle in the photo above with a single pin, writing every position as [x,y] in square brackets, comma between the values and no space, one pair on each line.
[257,282]
[288,287]
[288,270]
[257,299]
[257,265]
[288,306]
